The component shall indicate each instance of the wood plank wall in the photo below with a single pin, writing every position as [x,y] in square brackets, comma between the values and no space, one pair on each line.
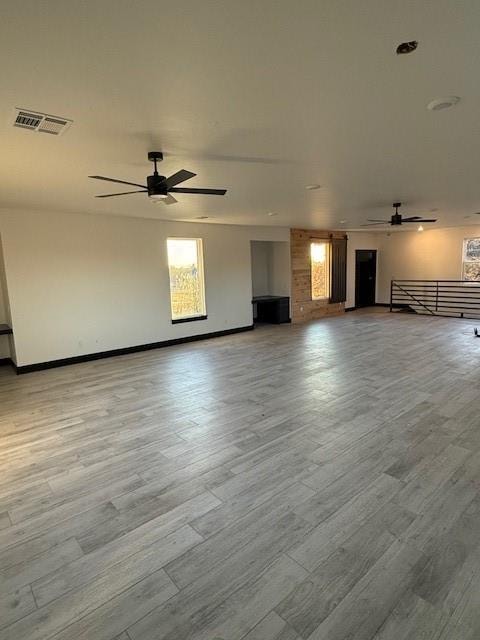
[303,307]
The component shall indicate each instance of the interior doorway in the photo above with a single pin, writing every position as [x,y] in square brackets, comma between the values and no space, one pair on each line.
[365,277]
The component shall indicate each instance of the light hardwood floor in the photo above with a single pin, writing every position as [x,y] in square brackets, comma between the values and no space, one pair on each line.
[317,482]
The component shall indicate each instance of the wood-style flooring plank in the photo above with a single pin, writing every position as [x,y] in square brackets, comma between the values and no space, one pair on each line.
[316,481]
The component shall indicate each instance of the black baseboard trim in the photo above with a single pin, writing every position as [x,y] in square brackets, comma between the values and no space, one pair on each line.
[397,305]
[377,304]
[52,364]
[6,361]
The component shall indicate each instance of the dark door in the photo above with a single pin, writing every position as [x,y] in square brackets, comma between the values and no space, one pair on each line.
[365,277]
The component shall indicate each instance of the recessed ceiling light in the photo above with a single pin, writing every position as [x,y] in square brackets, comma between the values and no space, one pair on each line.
[312,187]
[271,213]
[443,103]
[407,47]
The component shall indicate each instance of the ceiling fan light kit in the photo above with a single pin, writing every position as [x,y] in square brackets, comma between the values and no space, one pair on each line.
[159,188]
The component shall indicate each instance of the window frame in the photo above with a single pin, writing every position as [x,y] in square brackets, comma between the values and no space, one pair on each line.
[328,268]
[201,276]
[464,261]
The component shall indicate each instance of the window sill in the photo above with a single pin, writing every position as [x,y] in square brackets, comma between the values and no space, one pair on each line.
[192,319]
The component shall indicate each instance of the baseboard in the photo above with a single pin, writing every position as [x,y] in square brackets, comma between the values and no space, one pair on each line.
[395,305]
[376,304]
[6,361]
[41,366]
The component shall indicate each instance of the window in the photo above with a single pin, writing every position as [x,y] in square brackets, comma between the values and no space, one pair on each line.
[471,259]
[187,285]
[320,270]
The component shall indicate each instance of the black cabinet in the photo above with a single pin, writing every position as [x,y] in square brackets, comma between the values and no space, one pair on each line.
[272,309]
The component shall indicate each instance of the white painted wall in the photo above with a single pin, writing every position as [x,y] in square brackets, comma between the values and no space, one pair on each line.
[4,311]
[261,257]
[271,273]
[434,254]
[80,283]
[359,240]
[280,271]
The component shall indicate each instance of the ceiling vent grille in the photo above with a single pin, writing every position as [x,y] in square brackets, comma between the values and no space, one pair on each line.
[41,122]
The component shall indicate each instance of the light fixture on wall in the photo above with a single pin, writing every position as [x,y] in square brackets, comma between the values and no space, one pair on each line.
[420,228]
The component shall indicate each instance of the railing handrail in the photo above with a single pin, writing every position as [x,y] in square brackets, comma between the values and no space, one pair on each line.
[475,282]
[413,298]
[436,297]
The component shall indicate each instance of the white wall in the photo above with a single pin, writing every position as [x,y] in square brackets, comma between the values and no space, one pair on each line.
[433,254]
[4,310]
[261,268]
[271,274]
[280,271]
[359,240]
[80,284]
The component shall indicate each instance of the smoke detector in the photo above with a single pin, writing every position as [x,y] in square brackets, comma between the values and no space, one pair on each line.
[40,122]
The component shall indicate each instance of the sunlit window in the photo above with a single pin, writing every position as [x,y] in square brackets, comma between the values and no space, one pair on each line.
[187,285]
[471,259]
[320,270]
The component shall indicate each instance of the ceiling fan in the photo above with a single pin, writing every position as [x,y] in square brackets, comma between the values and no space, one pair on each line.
[397,219]
[160,187]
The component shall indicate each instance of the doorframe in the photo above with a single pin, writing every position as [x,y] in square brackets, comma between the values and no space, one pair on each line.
[375,252]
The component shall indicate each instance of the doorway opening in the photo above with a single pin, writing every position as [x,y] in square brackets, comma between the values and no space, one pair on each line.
[365,277]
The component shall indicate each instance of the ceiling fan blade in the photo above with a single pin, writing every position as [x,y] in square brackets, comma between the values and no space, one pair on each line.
[169,200]
[377,220]
[178,177]
[411,219]
[208,192]
[124,193]
[419,220]
[373,224]
[132,184]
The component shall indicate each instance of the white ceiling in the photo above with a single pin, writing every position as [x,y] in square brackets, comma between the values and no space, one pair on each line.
[261,97]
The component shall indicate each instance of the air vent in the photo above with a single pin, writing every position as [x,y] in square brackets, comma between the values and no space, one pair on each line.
[41,122]
[27,120]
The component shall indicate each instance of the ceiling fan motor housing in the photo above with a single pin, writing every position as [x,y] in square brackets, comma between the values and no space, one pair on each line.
[156,185]
[396,219]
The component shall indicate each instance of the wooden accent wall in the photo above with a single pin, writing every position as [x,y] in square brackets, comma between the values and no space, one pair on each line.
[303,307]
